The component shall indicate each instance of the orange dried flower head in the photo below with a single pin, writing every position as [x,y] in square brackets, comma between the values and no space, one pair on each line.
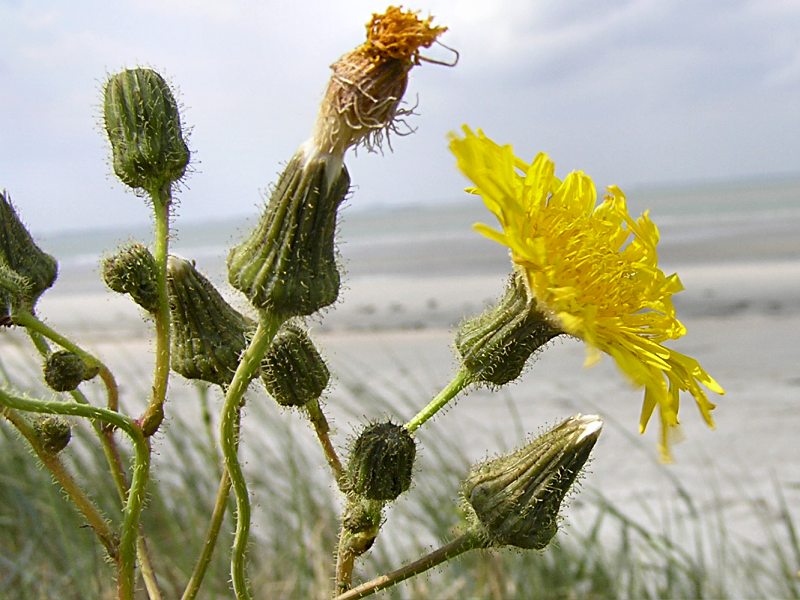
[361,104]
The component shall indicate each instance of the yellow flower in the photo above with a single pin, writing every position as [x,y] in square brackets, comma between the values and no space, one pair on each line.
[591,269]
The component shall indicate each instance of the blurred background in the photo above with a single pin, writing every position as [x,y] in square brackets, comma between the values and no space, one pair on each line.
[691,107]
[635,93]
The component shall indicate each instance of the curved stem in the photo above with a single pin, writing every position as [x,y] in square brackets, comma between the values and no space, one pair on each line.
[450,550]
[220,507]
[96,520]
[247,369]
[355,542]
[35,325]
[141,468]
[114,460]
[105,434]
[461,380]
[154,415]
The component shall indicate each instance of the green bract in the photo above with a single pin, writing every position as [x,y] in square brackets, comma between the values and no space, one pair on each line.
[144,127]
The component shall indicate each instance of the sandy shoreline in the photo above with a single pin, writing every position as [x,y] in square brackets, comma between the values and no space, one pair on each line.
[393,329]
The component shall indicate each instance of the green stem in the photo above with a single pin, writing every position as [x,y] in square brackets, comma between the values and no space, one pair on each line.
[148,572]
[105,434]
[200,568]
[322,429]
[117,469]
[450,550]
[220,507]
[246,371]
[141,468]
[96,520]
[34,325]
[461,380]
[154,415]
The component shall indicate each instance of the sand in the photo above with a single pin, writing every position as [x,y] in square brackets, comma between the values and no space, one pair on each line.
[394,330]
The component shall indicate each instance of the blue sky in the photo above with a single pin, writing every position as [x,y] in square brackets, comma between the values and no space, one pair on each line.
[633,92]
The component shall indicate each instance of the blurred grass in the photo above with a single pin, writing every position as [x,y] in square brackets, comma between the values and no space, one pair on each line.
[677,551]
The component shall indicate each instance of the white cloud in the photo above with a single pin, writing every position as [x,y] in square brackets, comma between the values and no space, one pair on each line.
[630,91]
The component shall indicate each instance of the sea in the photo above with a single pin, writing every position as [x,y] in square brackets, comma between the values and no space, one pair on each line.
[711,222]
[412,272]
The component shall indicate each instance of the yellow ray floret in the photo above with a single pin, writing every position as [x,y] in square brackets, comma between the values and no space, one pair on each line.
[591,268]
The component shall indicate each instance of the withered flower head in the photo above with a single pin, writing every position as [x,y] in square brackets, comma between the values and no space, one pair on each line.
[362,101]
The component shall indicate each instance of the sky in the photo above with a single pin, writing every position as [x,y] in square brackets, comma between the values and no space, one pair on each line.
[633,92]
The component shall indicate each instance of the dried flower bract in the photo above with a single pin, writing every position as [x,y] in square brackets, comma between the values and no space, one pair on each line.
[368,83]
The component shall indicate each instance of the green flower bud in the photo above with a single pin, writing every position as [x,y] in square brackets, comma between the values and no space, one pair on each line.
[292,370]
[361,523]
[144,127]
[495,346]
[208,334]
[514,500]
[381,462]
[132,270]
[25,270]
[64,371]
[287,265]
[53,433]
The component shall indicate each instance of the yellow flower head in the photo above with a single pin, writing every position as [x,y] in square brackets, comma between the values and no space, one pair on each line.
[591,269]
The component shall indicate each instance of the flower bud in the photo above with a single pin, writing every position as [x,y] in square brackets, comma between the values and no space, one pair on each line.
[292,370]
[53,433]
[132,270]
[514,500]
[208,334]
[495,346]
[144,127]
[381,462]
[25,270]
[287,264]
[64,371]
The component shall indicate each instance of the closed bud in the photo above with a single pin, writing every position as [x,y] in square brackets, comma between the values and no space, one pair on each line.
[287,265]
[292,370]
[514,500]
[53,433]
[495,345]
[208,334]
[64,371]
[381,462]
[144,127]
[132,270]
[25,270]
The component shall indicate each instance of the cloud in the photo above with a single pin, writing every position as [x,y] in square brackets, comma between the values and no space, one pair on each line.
[632,91]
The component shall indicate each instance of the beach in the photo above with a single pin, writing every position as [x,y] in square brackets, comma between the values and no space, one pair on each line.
[412,274]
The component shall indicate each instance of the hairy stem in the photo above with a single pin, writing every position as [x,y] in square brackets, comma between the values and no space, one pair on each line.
[116,467]
[450,550]
[94,517]
[35,326]
[322,429]
[141,469]
[200,568]
[154,415]
[220,507]
[461,380]
[229,439]
[356,536]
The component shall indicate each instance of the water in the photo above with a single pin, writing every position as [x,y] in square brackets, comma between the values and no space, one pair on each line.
[414,271]
[439,237]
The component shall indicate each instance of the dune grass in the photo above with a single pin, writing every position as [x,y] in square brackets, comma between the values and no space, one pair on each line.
[602,552]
